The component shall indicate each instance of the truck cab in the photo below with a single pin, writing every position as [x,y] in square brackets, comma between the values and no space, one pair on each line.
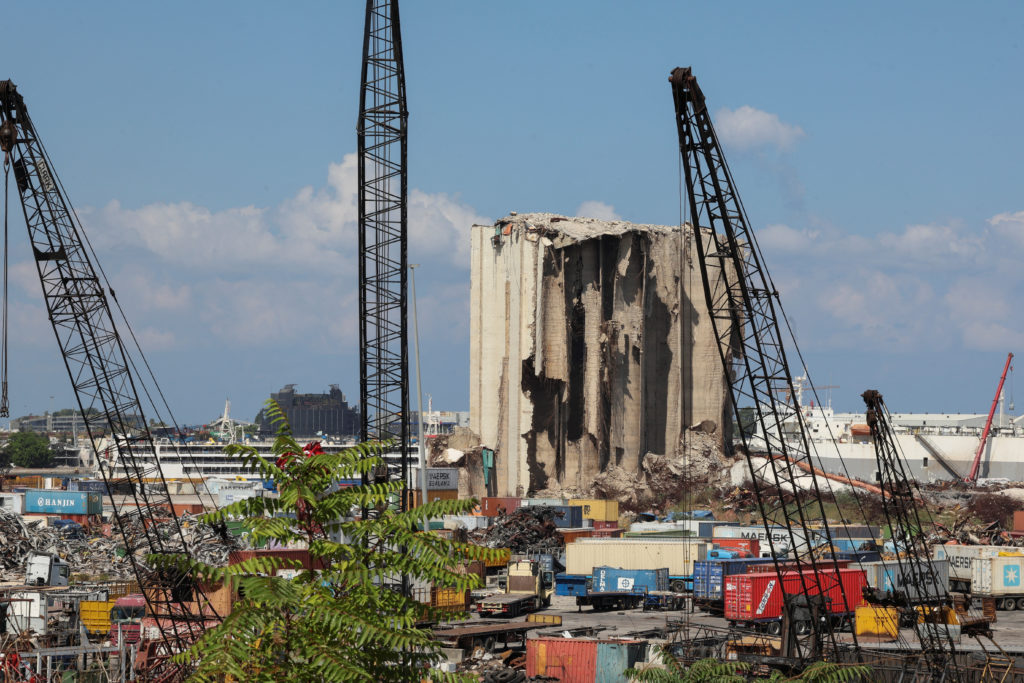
[528,588]
[44,569]
[126,618]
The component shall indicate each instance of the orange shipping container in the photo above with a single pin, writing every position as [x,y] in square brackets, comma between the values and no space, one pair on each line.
[1018,520]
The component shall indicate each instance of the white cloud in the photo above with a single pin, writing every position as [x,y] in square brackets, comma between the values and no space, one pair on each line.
[785,238]
[598,210]
[748,128]
[1009,226]
[264,277]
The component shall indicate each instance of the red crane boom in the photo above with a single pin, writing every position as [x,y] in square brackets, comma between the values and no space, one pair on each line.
[973,476]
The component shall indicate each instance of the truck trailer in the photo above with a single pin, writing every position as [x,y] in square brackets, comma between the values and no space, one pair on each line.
[528,589]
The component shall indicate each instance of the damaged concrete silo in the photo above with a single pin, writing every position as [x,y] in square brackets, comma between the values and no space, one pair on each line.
[590,347]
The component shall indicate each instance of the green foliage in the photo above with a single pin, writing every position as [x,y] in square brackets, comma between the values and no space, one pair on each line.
[28,449]
[714,671]
[343,622]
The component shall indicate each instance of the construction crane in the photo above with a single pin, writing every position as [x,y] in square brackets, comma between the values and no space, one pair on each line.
[383,233]
[917,590]
[976,465]
[744,310]
[100,369]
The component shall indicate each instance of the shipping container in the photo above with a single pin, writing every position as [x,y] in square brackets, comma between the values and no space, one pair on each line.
[607,532]
[471,522]
[758,597]
[571,535]
[1018,520]
[568,517]
[547,502]
[598,510]
[492,507]
[780,536]
[750,545]
[961,559]
[998,577]
[611,524]
[63,502]
[887,576]
[571,584]
[709,575]
[298,555]
[615,580]
[579,660]
[438,478]
[633,553]
[13,503]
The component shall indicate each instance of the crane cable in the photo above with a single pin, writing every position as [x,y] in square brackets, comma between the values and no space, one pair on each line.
[4,407]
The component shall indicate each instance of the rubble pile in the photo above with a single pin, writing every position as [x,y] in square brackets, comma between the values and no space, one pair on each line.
[528,529]
[98,554]
[697,461]
[497,667]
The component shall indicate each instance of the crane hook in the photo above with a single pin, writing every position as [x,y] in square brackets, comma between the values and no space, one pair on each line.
[8,136]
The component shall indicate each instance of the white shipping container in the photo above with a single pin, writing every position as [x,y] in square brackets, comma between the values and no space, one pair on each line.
[466,522]
[13,503]
[677,554]
[997,576]
[961,558]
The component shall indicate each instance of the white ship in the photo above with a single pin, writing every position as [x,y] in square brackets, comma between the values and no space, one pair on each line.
[937,446]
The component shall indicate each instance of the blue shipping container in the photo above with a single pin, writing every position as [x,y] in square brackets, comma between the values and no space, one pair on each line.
[63,502]
[568,516]
[709,575]
[614,657]
[613,580]
[571,584]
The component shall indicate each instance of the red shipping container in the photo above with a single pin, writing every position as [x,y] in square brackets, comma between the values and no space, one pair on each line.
[751,545]
[758,597]
[793,566]
[570,660]
[300,555]
[602,524]
[570,535]
[489,507]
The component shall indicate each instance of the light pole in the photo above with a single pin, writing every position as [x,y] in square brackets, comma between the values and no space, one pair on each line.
[419,390]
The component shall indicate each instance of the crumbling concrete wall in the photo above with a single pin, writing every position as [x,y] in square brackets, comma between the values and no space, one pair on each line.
[590,347]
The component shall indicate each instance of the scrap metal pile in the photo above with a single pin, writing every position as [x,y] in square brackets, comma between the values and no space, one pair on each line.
[98,554]
[528,529]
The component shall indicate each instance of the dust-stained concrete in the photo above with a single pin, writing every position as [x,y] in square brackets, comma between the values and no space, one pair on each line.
[590,347]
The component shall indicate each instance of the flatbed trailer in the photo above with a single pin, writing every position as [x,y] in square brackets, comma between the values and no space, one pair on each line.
[486,635]
[602,602]
[666,601]
[509,605]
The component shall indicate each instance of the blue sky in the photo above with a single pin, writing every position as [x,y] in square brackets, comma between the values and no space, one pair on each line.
[208,148]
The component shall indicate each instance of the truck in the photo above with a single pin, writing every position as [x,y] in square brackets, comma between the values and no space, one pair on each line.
[999,577]
[961,559]
[46,569]
[615,588]
[528,588]
[755,601]
[126,619]
[677,554]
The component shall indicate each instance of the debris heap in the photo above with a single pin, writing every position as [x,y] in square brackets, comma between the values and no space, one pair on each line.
[95,553]
[528,529]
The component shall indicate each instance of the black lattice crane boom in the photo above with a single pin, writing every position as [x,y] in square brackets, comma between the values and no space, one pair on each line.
[100,370]
[919,585]
[383,232]
[744,311]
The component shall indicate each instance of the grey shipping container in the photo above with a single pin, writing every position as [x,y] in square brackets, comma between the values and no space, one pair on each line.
[914,582]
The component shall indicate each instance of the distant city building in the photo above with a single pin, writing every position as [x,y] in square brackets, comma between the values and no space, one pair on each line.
[63,421]
[312,415]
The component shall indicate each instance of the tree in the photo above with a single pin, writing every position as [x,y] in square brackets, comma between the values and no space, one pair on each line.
[348,620]
[28,449]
